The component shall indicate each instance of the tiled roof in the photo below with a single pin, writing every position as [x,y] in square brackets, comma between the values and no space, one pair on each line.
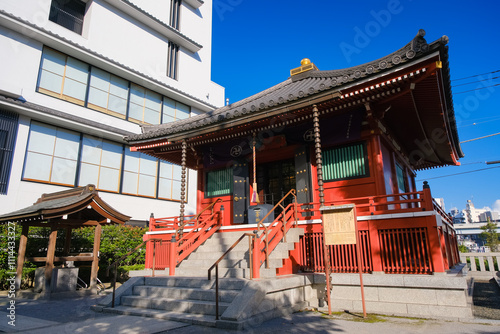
[297,87]
[66,202]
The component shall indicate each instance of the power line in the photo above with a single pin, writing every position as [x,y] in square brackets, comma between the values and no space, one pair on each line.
[442,176]
[498,84]
[485,120]
[473,82]
[477,75]
[466,141]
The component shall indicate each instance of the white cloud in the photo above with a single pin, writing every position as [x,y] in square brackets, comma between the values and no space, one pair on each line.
[496,205]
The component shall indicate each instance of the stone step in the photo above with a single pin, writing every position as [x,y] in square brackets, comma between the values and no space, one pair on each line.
[174,305]
[226,296]
[226,272]
[225,263]
[199,281]
[189,318]
[202,254]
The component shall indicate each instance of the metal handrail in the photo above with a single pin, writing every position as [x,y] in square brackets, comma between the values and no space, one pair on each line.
[115,264]
[266,228]
[216,265]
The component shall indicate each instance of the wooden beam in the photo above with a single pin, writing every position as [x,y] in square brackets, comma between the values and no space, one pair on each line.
[49,263]
[95,258]
[67,241]
[23,241]
[62,223]
[61,258]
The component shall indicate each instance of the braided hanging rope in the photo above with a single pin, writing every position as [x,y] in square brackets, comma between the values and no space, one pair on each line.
[255,195]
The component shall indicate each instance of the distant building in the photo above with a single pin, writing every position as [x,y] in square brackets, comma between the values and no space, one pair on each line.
[78,76]
[468,223]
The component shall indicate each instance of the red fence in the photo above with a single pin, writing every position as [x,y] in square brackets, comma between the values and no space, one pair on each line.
[402,251]
[404,243]
[343,258]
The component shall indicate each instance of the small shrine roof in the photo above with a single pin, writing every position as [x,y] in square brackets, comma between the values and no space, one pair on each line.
[76,206]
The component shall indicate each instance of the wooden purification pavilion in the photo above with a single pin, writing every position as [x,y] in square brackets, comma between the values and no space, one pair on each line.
[66,210]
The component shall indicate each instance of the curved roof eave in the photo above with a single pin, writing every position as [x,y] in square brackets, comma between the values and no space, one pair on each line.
[300,87]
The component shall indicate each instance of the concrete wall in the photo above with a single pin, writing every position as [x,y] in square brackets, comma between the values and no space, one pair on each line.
[446,296]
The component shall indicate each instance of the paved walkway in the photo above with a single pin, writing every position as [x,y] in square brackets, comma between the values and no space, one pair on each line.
[73,315]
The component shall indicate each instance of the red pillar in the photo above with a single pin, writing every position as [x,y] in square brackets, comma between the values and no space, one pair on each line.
[375,247]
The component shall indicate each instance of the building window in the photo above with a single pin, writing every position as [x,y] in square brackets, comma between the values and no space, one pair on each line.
[59,156]
[173,110]
[8,132]
[144,105]
[100,164]
[63,77]
[108,93]
[345,162]
[401,179]
[175,13]
[219,182]
[69,79]
[52,155]
[169,186]
[139,174]
[68,13]
[173,51]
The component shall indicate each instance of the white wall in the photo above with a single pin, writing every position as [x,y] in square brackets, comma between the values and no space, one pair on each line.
[120,38]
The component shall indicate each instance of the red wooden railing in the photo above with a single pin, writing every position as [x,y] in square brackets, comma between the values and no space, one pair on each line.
[274,233]
[195,230]
[405,251]
[413,244]
[402,247]
[377,205]
[343,258]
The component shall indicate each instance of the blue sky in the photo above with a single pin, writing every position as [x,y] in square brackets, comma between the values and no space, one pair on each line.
[256,43]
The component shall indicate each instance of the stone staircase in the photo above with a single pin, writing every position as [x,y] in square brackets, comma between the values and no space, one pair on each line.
[236,263]
[190,296]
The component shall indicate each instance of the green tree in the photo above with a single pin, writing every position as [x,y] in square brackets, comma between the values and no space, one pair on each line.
[116,241]
[490,235]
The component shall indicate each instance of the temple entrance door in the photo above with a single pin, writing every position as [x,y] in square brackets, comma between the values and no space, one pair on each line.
[276,179]
[240,192]
[303,175]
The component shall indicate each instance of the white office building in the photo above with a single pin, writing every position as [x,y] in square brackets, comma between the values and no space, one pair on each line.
[77,76]
[468,223]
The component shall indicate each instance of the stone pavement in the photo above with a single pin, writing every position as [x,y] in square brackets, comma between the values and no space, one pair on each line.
[72,314]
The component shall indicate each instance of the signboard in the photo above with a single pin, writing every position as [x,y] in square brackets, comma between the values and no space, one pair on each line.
[339,224]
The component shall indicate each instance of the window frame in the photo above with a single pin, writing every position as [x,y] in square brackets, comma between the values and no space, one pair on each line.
[109,94]
[9,122]
[80,161]
[173,60]
[58,15]
[229,190]
[366,162]
[60,95]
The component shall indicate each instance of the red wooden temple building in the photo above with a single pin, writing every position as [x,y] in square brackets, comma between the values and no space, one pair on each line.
[319,139]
